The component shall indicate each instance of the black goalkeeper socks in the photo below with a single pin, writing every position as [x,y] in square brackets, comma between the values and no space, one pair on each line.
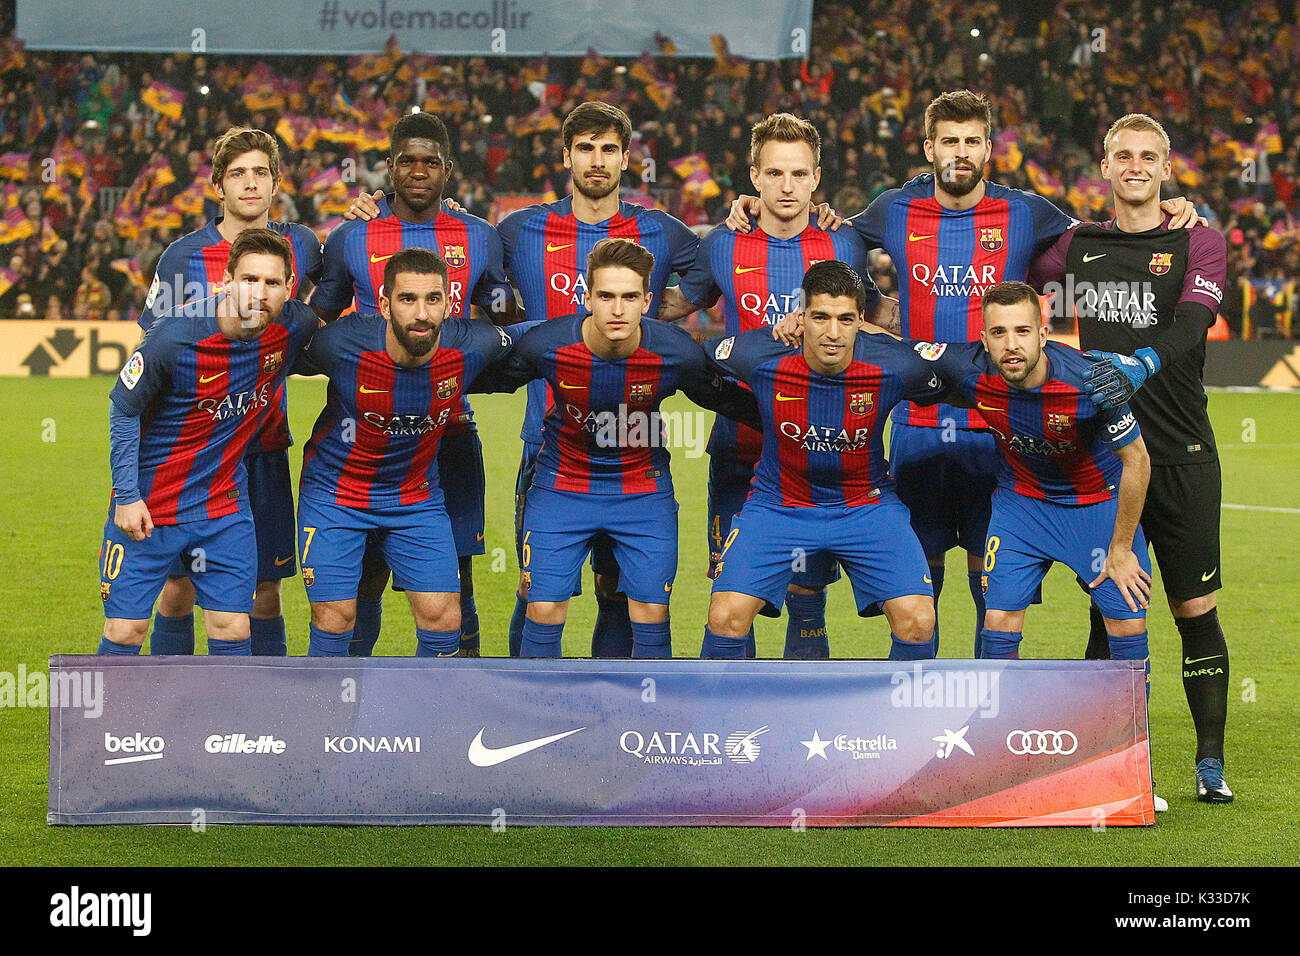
[1205,680]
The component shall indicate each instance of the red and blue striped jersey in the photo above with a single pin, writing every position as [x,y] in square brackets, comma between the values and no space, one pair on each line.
[758,278]
[823,434]
[947,259]
[357,251]
[1056,444]
[604,433]
[375,444]
[546,250]
[202,398]
[189,272]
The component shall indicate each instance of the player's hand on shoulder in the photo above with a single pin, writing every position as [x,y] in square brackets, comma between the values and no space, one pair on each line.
[134,519]
[827,218]
[453,205]
[365,207]
[790,329]
[741,209]
[1182,213]
[1123,568]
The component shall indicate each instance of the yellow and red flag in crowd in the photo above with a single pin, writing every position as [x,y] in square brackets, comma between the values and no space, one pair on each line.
[167,100]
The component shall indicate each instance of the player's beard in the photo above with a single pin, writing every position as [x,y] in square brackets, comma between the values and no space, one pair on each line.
[1026,369]
[415,347]
[955,182]
[598,189]
[420,205]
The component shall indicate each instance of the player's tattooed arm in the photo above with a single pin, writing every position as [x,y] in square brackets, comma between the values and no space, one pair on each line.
[675,305]
[887,317]
[742,208]
[1122,565]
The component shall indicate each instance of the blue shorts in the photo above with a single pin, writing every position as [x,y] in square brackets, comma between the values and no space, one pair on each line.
[602,552]
[561,526]
[873,543]
[218,558]
[1026,535]
[415,540]
[460,473]
[729,483]
[946,485]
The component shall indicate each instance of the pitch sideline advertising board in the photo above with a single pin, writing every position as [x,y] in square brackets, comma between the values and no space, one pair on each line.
[609,743]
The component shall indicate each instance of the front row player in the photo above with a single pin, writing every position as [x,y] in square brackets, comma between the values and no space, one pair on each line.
[822,483]
[1071,481]
[370,468]
[181,415]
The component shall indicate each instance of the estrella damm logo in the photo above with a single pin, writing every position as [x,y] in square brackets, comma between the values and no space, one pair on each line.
[271,363]
[309,576]
[454,256]
[448,386]
[1161,262]
[861,402]
[991,238]
[1058,422]
[641,391]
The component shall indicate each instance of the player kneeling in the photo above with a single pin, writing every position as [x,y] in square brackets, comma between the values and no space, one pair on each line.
[396,379]
[822,483]
[1072,479]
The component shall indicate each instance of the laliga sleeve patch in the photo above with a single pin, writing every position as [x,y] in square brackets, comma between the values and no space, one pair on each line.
[930,351]
[132,371]
[153,293]
[723,351]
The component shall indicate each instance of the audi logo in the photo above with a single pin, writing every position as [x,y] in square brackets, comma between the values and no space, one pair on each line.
[1060,742]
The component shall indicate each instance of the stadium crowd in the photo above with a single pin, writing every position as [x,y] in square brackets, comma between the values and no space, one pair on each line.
[104,157]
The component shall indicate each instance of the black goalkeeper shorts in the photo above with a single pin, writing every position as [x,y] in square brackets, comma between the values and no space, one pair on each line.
[1181,520]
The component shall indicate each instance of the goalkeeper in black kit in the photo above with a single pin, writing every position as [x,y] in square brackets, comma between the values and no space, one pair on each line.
[1145,296]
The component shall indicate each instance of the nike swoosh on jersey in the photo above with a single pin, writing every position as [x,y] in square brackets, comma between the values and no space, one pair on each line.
[988,408]
[480,755]
[1188,660]
[913,237]
[281,562]
[375,258]
[741,270]
[554,248]
[788,398]
[1209,574]
[204,379]
[1088,258]
[566,385]
[373,391]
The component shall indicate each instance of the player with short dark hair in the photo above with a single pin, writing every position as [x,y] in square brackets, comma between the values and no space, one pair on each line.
[357,256]
[369,471]
[185,407]
[1146,294]
[246,176]
[822,482]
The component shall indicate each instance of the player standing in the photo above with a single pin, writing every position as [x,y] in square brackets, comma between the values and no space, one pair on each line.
[757,275]
[356,255]
[1145,294]
[246,176]
[822,482]
[186,405]
[370,469]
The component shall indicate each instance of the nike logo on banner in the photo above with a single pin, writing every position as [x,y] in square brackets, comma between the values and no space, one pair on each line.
[564,384]
[788,398]
[741,270]
[373,391]
[913,237]
[988,408]
[204,379]
[554,248]
[375,258]
[1088,258]
[1210,573]
[1188,660]
[484,756]
[281,562]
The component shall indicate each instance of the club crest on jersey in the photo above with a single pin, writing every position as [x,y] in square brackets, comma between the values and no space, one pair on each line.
[1058,422]
[448,386]
[454,256]
[1161,262]
[309,576]
[103,589]
[271,363]
[641,391]
[991,238]
[860,402]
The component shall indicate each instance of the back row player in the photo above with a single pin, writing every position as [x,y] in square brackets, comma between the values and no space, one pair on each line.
[246,176]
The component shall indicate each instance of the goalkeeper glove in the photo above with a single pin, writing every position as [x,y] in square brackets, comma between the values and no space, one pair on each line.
[1112,378]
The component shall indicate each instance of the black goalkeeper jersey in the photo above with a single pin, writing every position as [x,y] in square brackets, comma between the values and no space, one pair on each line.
[1130,290]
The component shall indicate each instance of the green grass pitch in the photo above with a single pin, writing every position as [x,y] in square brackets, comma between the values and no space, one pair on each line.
[54,475]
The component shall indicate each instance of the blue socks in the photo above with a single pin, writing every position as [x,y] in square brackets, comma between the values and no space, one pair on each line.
[975,579]
[437,643]
[613,634]
[724,648]
[121,650]
[267,636]
[540,640]
[651,640]
[805,630]
[324,644]
[517,625]
[218,648]
[172,635]
[1133,649]
[1000,645]
[365,628]
[910,650]
[469,636]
